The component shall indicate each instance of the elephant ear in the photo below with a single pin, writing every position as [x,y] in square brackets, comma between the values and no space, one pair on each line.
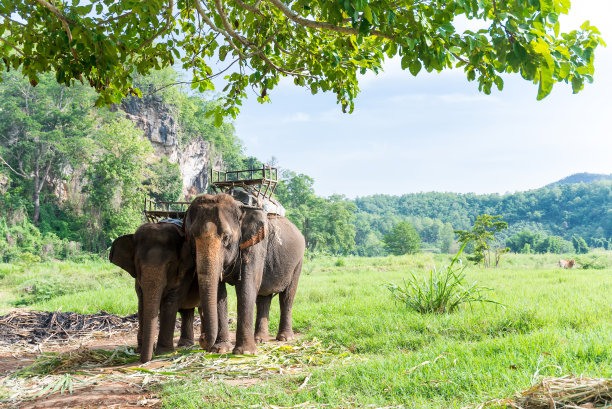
[122,253]
[254,227]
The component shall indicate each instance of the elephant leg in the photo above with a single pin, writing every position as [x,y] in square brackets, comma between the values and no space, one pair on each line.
[245,339]
[140,326]
[222,344]
[285,328]
[167,321]
[186,327]
[261,322]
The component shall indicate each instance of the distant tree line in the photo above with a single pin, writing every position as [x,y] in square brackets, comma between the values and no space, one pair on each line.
[557,219]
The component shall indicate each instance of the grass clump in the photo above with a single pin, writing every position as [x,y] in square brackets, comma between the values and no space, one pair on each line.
[443,292]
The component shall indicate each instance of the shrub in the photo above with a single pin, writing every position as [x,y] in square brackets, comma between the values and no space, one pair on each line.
[443,292]
[591,262]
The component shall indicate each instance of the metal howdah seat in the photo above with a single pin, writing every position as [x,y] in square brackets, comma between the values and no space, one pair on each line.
[253,187]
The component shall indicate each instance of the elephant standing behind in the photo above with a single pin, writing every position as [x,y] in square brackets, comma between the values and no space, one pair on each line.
[241,246]
[163,266]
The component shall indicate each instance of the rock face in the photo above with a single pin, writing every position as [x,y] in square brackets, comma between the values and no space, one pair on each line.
[160,126]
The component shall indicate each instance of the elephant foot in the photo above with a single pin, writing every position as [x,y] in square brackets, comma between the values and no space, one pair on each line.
[245,350]
[163,349]
[261,337]
[202,341]
[185,342]
[285,336]
[221,347]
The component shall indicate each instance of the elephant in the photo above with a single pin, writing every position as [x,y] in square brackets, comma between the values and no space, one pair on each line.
[164,268]
[260,254]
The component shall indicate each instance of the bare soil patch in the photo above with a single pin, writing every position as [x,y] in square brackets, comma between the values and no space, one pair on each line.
[80,363]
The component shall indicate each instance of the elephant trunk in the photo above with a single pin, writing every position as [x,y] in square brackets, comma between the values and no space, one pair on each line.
[208,295]
[148,321]
[210,270]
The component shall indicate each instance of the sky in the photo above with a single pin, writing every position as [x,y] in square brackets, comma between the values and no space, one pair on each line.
[437,132]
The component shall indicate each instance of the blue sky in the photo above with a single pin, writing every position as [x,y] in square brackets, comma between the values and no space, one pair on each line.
[436,132]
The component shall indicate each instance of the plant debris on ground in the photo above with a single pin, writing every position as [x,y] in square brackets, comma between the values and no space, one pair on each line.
[560,393]
[34,327]
[53,372]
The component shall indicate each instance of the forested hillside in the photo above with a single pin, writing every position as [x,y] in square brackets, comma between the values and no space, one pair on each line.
[74,177]
[564,210]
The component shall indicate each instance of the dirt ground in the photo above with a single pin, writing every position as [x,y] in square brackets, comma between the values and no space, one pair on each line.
[103,392]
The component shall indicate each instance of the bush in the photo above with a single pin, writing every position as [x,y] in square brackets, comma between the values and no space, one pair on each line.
[443,292]
[591,262]
[580,245]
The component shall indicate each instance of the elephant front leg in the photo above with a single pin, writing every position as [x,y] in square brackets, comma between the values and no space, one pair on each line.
[186,327]
[167,321]
[223,343]
[245,340]
[140,326]
[261,322]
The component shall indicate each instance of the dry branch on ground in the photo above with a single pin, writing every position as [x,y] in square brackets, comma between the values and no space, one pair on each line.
[34,327]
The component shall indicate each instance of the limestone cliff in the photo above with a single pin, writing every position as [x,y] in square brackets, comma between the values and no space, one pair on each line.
[160,125]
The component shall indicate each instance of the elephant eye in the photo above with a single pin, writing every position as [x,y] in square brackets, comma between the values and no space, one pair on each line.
[225,239]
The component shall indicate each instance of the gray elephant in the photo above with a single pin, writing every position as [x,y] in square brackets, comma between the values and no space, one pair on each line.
[164,269]
[260,255]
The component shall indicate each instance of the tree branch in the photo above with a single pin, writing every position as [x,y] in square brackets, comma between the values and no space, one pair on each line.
[323,25]
[246,43]
[23,175]
[252,9]
[212,25]
[13,46]
[65,22]
[163,29]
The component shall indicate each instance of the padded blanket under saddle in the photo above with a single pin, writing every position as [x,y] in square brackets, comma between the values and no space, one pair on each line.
[269,205]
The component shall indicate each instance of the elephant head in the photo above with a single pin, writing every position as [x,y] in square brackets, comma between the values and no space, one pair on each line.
[162,264]
[220,230]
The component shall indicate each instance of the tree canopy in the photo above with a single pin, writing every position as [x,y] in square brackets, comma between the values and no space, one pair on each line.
[322,45]
[403,239]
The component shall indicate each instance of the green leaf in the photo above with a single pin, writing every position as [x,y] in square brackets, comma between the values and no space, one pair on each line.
[546,6]
[546,83]
[577,84]
[367,13]
[415,67]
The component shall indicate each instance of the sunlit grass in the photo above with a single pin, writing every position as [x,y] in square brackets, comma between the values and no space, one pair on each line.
[557,322]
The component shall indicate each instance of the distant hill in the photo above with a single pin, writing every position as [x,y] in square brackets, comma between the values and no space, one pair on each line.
[564,209]
[581,178]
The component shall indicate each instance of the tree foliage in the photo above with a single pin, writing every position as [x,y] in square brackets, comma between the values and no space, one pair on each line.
[528,242]
[583,209]
[580,245]
[321,45]
[81,173]
[42,130]
[403,239]
[327,224]
[483,236]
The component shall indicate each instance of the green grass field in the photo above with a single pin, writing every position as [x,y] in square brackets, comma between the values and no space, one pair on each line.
[556,322]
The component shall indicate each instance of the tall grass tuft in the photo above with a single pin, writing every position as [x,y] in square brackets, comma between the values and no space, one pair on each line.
[443,292]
